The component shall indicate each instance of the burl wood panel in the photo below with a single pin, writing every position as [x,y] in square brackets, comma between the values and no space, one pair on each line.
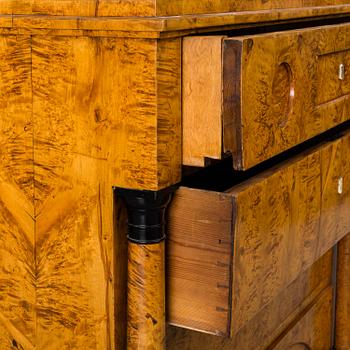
[272,321]
[17,214]
[202,88]
[313,330]
[275,91]
[79,7]
[73,196]
[175,7]
[343,296]
[148,7]
[79,115]
[281,221]
[146,297]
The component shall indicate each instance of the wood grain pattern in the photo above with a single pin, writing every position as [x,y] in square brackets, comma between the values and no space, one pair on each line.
[335,217]
[272,321]
[149,7]
[199,258]
[201,69]
[79,116]
[17,235]
[342,339]
[283,221]
[313,330]
[146,297]
[286,90]
[169,116]
[178,7]
[132,100]
[161,26]
[79,7]
[74,231]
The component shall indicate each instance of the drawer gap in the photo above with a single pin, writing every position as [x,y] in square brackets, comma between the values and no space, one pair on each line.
[220,175]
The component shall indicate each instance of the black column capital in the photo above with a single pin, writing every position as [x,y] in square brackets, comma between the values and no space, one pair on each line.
[146,213]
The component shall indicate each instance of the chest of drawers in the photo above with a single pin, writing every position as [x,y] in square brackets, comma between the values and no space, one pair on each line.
[105,106]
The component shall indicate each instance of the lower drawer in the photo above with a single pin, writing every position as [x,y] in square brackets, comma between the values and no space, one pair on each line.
[313,330]
[230,254]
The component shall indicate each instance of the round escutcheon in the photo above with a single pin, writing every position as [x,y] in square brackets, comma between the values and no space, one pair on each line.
[282,93]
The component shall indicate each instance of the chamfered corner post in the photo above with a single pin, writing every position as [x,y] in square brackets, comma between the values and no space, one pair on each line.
[146,266]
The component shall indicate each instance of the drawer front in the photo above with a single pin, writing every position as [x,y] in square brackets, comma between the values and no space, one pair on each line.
[313,330]
[257,96]
[232,253]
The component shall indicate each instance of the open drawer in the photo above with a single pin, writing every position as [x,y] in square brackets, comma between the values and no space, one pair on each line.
[231,253]
[256,96]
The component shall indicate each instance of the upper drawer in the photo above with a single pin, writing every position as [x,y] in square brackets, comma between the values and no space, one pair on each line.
[232,253]
[257,96]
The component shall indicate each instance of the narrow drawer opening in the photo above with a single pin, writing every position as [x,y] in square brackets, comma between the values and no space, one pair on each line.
[219,175]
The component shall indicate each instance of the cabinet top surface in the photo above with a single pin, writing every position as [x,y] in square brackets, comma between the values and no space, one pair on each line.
[158,15]
[102,8]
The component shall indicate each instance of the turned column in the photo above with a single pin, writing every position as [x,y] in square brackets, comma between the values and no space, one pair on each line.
[146,267]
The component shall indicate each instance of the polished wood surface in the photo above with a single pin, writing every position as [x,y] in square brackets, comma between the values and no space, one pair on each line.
[162,26]
[17,196]
[342,340]
[199,257]
[146,297]
[313,330]
[88,92]
[274,226]
[118,106]
[98,8]
[272,321]
[273,91]
[201,69]
[78,116]
[90,98]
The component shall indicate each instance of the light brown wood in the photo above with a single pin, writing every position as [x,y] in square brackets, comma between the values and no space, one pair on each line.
[146,297]
[282,221]
[161,26]
[79,116]
[202,69]
[199,258]
[342,340]
[79,7]
[176,7]
[149,7]
[17,215]
[272,321]
[335,207]
[275,91]
[120,93]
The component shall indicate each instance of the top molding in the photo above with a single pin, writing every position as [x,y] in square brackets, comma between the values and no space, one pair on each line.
[150,8]
[136,17]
